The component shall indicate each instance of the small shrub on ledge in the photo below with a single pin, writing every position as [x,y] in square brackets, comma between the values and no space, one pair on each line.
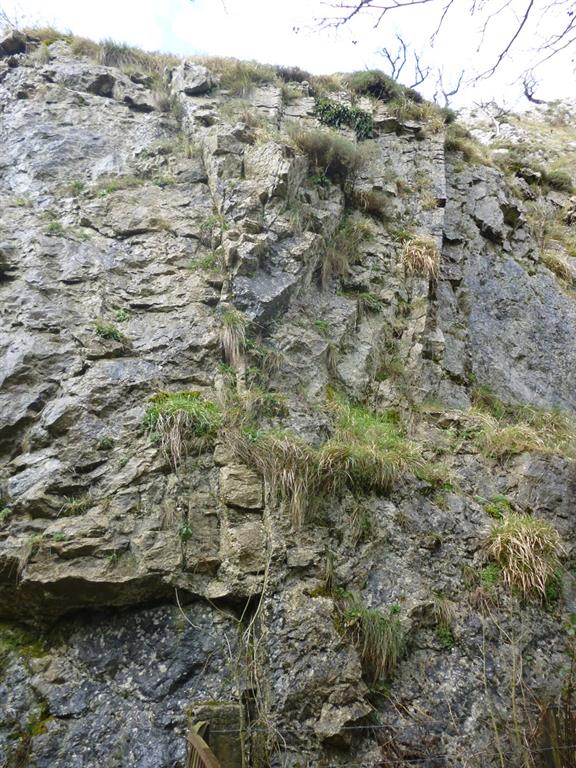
[336,115]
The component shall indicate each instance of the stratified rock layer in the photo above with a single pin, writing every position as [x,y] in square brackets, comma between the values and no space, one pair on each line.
[176,592]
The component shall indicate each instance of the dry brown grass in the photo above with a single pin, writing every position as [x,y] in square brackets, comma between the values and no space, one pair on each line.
[558,265]
[523,430]
[420,256]
[527,551]
[239,77]
[233,336]
[289,467]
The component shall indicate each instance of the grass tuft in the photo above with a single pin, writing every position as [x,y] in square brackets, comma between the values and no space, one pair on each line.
[420,256]
[558,265]
[343,248]
[329,154]
[239,77]
[367,452]
[526,550]
[180,419]
[501,430]
[458,139]
[289,467]
[233,335]
[378,637]
[109,332]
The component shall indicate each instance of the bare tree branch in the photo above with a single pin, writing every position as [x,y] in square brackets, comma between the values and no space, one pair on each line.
[419,74]
[447,93]
[511,42]
[535,14]
[529,83]
[398,61]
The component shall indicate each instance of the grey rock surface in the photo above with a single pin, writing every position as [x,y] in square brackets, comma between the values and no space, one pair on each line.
[141,594]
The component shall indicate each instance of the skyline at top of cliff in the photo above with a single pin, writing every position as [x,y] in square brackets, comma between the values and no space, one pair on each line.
[291,34]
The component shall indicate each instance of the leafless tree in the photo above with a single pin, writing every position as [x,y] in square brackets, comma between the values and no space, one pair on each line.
[529,84]
[526,13]
[397,58]
[446,91]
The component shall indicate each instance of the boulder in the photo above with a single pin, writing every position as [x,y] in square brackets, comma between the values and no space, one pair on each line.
[193,79]
[14,42]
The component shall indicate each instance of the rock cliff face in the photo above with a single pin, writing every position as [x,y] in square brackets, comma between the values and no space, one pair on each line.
[142,590]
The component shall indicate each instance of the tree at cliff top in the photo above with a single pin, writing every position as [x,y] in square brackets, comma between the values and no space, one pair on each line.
[523,35]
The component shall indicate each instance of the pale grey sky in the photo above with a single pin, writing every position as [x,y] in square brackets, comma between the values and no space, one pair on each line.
[263,30]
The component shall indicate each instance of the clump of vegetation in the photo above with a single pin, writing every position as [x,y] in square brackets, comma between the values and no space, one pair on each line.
[206,263]
[121,315]
[113,54]
[558,265]
[435,117]
[75,505]
[379,637]
[337,115]
[289,467]
[497,506]
[367,302]
[420,256]
[234,325]
[343,248]
[526,550]
[523,159]
[329,153]
[372,202]
[109,52]
[75,188]
[181,419]
[117,183]
[55,228]
[320,85]
[367,452]
[443,616]
[239,77]
[293,75]
[109,332]
[375,83]
[559,180]
[459,139]
[501,430]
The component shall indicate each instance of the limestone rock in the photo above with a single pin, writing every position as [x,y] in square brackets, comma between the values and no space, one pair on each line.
[14,42]
[192,79]
[241,487]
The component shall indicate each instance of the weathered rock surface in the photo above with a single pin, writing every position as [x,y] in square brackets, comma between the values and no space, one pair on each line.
[168,593]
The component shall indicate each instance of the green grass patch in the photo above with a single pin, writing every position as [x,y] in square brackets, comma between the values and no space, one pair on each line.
[501,430]
[55,228]
[378,637]
[366,453]
[107,186]
[459,139]
[182,419]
